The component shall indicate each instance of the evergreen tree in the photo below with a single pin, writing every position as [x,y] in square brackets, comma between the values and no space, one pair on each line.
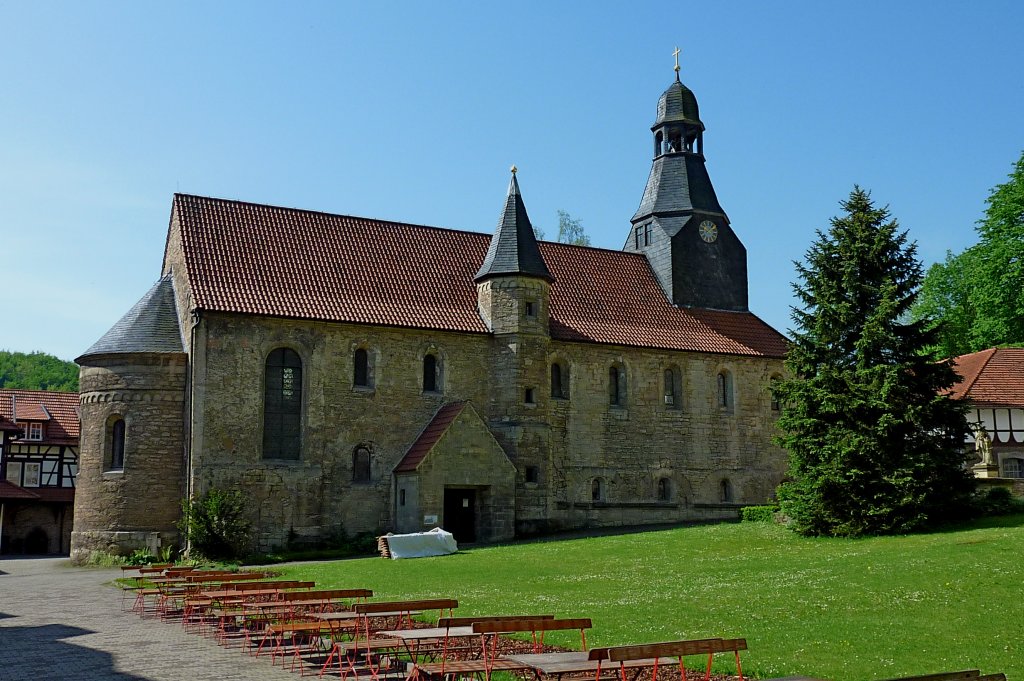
[875,445]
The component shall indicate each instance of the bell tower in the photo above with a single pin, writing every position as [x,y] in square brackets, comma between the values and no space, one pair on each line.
[680,226]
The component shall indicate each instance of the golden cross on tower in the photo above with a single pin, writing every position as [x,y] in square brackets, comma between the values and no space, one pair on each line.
[676,55]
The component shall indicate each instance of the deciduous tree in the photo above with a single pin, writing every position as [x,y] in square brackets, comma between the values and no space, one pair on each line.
[977,297]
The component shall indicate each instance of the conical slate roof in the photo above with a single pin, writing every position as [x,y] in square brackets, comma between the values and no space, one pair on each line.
[150,326]
[513,248]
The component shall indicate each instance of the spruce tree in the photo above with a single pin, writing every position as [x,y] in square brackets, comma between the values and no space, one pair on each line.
[875,445]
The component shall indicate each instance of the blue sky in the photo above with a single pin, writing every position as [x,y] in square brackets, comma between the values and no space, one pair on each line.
[415,111]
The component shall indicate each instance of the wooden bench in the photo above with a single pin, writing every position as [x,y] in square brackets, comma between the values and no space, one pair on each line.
[964,675]
[490,661]
[654,655]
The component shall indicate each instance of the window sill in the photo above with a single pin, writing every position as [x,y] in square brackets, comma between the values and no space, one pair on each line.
[367,390]
[113,474]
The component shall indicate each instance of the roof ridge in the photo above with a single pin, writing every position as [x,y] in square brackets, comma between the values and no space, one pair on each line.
[308,211]
[12,391]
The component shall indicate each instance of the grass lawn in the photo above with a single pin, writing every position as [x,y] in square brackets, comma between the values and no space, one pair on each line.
[831,608]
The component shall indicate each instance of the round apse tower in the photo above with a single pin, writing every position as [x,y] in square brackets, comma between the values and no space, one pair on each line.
[131,458]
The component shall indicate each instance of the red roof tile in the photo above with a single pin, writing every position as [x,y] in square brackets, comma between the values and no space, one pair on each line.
[60,410]
[993,377]
[437,427]
[282,262]
[8,490]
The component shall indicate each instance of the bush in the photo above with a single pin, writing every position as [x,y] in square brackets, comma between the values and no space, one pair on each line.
[758,514]
[997,501]
[140,557]
[215,526]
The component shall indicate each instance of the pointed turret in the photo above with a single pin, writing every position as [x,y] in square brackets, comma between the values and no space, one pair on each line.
[513,249]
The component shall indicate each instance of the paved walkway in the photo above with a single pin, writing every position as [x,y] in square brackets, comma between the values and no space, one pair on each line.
[59,622]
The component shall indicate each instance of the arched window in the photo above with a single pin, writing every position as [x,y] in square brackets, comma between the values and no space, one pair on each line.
[559,381]
[773,384]
[725,491]
[597,489]
[664,489]
[282,405]
[431,374]
[361,464]
[725,392]
[116,435]
[361,368]
[672,388]
[616,386]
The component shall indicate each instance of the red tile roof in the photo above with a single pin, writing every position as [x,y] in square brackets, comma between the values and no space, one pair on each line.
[60,410]
[437,427]
[282,262]
[8,490]
[993,377]
[9,426]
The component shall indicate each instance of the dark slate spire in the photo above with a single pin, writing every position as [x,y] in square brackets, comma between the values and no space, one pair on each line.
[150,326]
[513,248]
[680,225]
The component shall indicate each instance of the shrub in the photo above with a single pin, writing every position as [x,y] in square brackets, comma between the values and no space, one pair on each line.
[215,526]
[997,501]
[758,514]
[140,557]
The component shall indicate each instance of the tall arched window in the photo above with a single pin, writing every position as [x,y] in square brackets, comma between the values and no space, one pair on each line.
[597,489]
[672,388]
[361,464]
[559,381]
[616,386]
[117,430]
[725,392]
[773,383]
[431,375]
[361,368]
[282,405]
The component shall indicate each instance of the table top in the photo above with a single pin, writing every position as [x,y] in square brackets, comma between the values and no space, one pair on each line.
[562,663]
[243,594]
[352,615]
[433,632]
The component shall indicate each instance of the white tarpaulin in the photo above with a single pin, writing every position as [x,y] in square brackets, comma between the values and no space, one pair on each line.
[436,542]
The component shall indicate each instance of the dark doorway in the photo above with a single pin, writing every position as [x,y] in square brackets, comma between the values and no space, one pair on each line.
[460,514]
[37,543]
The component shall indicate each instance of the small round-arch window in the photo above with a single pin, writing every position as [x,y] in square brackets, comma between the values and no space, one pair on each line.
[664,489]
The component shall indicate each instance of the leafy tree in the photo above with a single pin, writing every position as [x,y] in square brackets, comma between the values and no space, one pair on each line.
[37,371]
[875,444]
[978,296]
[570,230]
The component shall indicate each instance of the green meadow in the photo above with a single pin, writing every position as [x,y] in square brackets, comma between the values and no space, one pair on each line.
[830,608]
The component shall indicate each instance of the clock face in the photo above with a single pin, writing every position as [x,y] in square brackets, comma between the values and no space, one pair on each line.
[708,231]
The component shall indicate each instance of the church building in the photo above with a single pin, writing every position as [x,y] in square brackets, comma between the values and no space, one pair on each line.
[351,374]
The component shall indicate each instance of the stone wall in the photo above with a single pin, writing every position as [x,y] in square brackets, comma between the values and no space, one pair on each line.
[121,510]
[567,442]
[316,496]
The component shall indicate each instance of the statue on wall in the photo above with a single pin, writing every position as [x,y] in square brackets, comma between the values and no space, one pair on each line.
[983,446]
